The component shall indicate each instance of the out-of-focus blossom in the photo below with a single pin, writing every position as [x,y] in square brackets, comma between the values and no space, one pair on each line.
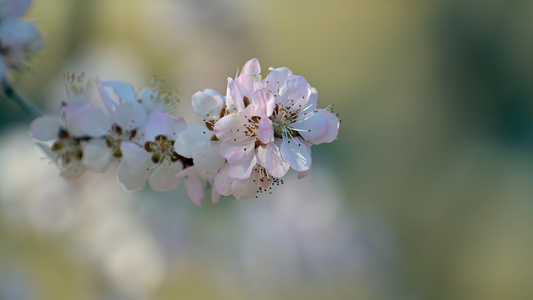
[18,39]
[13,8]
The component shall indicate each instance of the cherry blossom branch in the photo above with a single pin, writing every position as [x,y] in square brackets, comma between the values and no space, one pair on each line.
[24,104]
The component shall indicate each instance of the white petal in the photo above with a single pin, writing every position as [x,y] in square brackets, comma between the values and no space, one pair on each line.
[163,124]
[130,115]
[44,128]
[96,155]
[132,179]
[92,121]
[295,153]
[244,169]
[114,92]
[207,104]
[311,127]
[313,99]
[270,158]
[333,127]
[134,155]
[163,177]
[207,158]
[303,174]
[73,170]
[189,138]
[244,189]
[70,114]
[234,98]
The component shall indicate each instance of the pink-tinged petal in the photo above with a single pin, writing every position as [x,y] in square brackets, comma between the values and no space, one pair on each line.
[297,89]
[265,131]
[194,186]
[189,138]
[130,115]
[44,128]
[96,155]
[14,8]
[134,155]
[114,92]
[189,171]
[207,158]
[163,177]
[215,196]
[234,98]
[238,151]
[195,189]
[92,121]
[303,174]
[222,181]
[252,67]
[244,189]
[250,74]
[270,158]
[230,127]
[207,104]
[244,169]
[311,127]
[132,179]
[276,78]
[295,153]
[163,124]
[333,127]
[264,102]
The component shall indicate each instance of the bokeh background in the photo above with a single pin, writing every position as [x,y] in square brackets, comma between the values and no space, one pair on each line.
[426,194]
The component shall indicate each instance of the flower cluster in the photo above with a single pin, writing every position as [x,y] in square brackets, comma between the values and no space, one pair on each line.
[17,38]
[248,141]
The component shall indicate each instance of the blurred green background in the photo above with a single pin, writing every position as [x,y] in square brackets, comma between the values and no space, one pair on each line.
[426,194]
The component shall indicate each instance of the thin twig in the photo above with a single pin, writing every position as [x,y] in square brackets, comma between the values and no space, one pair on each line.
[26,105]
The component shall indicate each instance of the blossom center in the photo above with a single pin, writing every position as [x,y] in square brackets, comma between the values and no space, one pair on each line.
[162,148]
[68,151]
[264,180]
[116,136]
